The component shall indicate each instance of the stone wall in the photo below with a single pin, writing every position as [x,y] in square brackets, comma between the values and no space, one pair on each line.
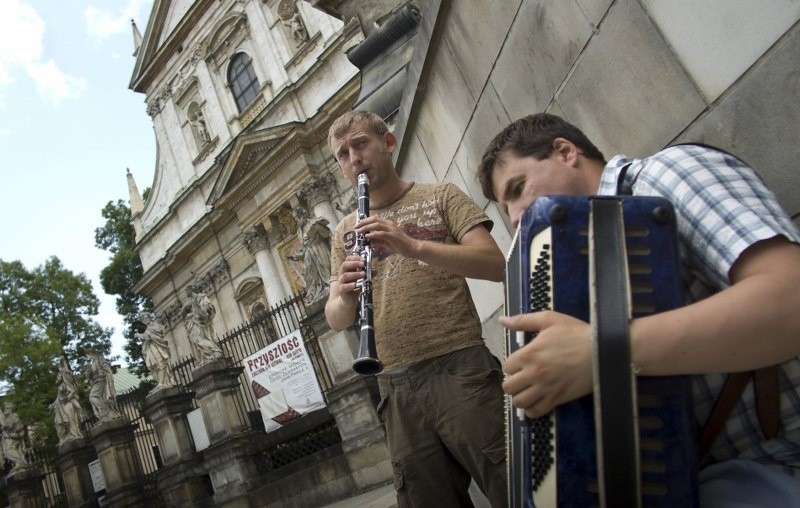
[634,75]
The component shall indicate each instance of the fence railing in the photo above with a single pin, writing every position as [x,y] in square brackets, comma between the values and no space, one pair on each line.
[248,338]
[238,343]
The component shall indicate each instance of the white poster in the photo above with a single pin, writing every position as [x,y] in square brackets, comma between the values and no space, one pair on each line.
[283,381]
[96,474]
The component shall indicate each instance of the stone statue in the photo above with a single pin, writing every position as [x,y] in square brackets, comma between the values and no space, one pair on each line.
[67,410]
[199,320]
[289,15]
[314,252]
[14,440]
[155,351]
[198,123]
[102,394]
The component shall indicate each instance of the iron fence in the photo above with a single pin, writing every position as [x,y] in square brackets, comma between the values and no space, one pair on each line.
[304,438]
[286,317]
[130,404]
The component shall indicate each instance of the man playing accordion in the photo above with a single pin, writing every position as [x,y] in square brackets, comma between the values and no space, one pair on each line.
[741,262]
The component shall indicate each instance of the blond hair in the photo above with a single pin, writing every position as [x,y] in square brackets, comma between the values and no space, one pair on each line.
[344,123]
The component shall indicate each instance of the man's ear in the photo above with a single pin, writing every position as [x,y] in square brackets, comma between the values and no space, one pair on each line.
[391,141]
[566,150]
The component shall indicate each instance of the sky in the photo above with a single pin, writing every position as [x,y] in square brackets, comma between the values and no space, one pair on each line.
[69,128]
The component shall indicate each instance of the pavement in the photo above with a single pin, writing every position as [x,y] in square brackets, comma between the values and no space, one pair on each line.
[384,497]
[381,497]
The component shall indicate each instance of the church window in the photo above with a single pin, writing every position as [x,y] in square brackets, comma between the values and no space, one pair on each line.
[243,80]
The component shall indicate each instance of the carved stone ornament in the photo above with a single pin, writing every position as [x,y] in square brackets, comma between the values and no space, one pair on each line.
[154,107]
[315,190]
[256,239]
[209,280]
[285,222]
[172,314]
[291,19]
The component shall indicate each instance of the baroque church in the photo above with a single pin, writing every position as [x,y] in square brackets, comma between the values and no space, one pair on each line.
[241,94]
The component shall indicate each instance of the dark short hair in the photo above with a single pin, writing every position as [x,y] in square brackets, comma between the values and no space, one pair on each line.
[345,122]
[531,136]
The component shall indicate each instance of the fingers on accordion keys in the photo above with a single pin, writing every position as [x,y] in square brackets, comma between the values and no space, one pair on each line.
[520,338]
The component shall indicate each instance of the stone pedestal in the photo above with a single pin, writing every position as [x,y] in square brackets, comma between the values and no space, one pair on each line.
[228,460]
[73,461]
[24,489]
[215,386]
[113,441]
[182,481]
[353,401]
[353,405]
[166,410]
[338,348]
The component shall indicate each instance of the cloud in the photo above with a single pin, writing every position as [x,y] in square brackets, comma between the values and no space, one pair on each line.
[101,23]
[21,34]
[21,31]
[52,84]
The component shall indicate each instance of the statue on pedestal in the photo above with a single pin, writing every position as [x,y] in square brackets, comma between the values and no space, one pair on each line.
[67,410]
[314,252]
[155,351]
[199,127]
[199,320]
[102,394]
[14,440]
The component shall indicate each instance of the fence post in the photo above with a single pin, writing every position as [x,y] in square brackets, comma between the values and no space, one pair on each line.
[115,445]
[182,480]
[73,461]
[228,457]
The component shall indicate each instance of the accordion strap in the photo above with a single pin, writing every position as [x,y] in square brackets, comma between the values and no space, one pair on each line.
[766,386]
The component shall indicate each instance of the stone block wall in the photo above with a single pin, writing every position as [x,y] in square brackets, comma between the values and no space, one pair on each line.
[635,75]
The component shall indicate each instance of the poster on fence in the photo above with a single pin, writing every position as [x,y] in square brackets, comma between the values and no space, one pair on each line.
[283,381]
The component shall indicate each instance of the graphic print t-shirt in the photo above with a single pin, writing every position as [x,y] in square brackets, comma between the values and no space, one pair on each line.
[420,311]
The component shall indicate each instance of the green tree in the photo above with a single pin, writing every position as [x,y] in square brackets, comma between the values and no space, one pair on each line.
[44,313]
[124,270]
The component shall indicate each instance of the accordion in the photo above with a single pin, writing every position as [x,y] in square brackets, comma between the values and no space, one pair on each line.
[633,441]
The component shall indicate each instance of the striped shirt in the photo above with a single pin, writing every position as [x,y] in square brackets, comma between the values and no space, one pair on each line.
[722,208]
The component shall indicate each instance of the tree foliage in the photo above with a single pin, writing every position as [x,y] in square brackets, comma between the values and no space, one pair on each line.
[118,237]
[44,313]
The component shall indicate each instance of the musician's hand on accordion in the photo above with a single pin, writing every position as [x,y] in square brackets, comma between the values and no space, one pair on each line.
[553,369]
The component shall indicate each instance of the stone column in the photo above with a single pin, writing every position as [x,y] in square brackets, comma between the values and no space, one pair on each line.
[114,443]
[256,239]
[182,481]
[24,489]
[316,192]
[227,459]
[73,461]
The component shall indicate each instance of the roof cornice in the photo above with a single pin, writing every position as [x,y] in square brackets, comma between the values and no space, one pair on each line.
[153,59]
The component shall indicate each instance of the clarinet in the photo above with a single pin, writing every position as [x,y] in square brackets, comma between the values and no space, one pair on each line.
[366,363]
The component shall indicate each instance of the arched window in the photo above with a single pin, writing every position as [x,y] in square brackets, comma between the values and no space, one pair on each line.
[243,80]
